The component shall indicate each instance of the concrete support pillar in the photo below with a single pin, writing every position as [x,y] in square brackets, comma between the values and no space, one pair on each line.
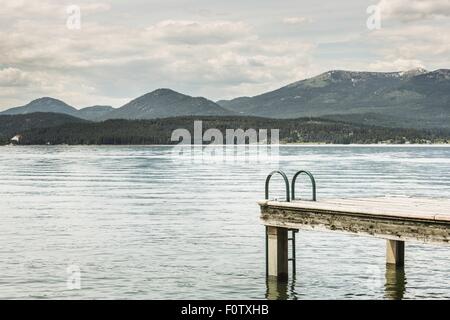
[395,252]
[277,252]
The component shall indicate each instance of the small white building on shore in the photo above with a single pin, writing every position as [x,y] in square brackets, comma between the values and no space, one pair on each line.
[16,139]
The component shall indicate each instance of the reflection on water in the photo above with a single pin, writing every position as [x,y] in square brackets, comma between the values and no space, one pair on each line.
[276,290]
[395,282]
[281,290]
[394,286]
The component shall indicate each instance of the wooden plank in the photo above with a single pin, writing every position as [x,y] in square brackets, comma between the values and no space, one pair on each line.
[423,207]
[438,204]
[392,207]
[356,217]
[443,218]
[337,209]
[392,203]
[427,211]
[377,209]
[400,199]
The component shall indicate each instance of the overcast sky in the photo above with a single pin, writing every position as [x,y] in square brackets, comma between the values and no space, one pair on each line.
[217,49]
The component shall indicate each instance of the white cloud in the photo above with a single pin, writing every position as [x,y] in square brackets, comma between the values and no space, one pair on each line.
[413,41]
[32,9]
[411,10]
[296,20]
[210,58]
[25,7]
[129,48]
[395,65]
[13,77]
[197,33]
[95,7]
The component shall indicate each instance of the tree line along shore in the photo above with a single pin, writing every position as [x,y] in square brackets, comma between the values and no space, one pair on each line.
[53,129]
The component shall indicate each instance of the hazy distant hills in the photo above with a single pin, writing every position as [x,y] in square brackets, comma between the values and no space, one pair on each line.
[161,103]
[415,98]
[164,103]
[45,104]
[94,113]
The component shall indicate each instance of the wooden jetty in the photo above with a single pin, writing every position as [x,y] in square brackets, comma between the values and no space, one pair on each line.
[396,219]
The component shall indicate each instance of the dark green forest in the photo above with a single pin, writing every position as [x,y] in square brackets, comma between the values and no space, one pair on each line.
[159,131]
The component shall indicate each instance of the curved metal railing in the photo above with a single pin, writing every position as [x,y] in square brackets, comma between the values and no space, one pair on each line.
[288,199]
[286,181]
[313,183]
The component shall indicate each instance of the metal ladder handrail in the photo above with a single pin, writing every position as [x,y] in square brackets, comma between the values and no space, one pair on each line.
[293,256]
[313,182]
[286,181]
[314,198]
[288,199]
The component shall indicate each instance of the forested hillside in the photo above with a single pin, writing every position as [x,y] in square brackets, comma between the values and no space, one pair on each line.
[158,131]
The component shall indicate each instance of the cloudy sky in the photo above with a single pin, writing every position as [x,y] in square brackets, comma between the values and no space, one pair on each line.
[217,49]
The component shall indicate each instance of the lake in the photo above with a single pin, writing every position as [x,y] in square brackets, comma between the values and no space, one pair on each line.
[140,222]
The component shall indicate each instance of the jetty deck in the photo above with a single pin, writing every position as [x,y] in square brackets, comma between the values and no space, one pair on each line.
[396,219]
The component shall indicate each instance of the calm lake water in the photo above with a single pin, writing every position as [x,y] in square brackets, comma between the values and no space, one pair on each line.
[143,223]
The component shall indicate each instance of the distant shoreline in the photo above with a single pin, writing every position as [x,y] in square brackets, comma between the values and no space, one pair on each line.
[57,129]
[380,145]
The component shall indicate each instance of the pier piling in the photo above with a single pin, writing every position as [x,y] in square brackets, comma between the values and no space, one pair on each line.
[397,219]
[395,252]
[277,252]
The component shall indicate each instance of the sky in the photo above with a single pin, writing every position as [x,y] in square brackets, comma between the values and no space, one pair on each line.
[120,50]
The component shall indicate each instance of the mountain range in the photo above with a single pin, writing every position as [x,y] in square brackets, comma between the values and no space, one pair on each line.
[161,103]
[414,98]
[165,103]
